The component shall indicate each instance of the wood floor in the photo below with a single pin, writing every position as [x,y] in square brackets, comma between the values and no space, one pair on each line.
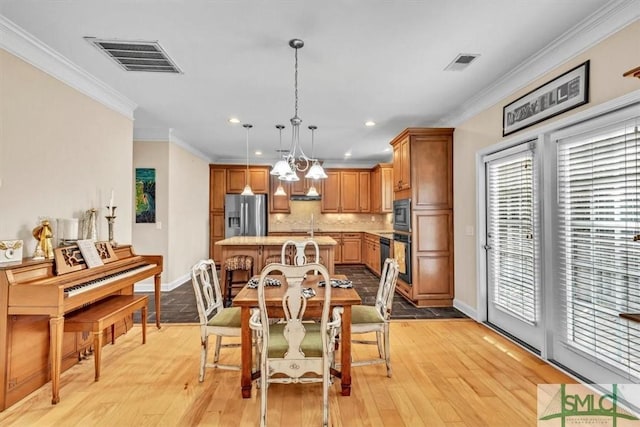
[445,373]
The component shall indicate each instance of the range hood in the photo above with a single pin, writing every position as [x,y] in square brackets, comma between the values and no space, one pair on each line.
[303,197]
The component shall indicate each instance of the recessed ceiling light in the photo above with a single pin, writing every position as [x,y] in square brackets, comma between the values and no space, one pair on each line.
[258,153]
[347,154]
[234,120]
[369,123]
[387,149]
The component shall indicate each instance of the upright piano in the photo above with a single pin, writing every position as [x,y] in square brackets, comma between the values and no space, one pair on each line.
[34,298]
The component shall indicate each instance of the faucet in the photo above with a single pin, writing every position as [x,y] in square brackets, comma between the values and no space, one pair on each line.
[312,227]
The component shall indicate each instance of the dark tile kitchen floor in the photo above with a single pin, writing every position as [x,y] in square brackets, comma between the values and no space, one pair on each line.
[179,305]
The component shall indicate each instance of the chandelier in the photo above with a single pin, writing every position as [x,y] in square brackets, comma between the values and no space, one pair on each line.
[296,160]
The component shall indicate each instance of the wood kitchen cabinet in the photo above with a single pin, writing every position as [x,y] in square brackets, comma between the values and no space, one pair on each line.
[217,189]
[258,179]
[331,192]
[434,173]
[216,233]
[346,191]
[337,255]
[371,252]
[279,204]
[423,172]
[349,191]
[381,199]
[401,164]
[364,191]
[351,248]
[433,254]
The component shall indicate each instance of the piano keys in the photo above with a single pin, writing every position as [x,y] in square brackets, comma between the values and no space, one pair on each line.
[96,283]
[33,303]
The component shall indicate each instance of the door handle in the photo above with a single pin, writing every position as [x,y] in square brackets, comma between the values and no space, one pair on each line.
[242,219]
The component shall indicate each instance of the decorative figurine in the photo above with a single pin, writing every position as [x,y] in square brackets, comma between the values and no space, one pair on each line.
[90,225]
[44,236]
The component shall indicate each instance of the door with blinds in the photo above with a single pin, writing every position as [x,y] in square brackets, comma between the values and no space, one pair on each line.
[513,288]
[598,252]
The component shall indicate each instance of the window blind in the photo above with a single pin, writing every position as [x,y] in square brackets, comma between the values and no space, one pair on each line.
[599,262]
[512,266]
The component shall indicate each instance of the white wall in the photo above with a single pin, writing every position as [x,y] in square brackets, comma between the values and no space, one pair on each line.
[180,233]
[152,238]
[609,60]
[61,153]
[188,211]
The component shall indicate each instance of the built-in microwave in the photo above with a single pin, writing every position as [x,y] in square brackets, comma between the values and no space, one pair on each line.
[402,215]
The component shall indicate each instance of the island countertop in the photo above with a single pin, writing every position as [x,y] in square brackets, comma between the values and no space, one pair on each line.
[273,240]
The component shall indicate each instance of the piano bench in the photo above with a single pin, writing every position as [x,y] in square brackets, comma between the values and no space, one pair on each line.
[106,312]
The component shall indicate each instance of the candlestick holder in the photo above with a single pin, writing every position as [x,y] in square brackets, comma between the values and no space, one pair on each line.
[111,218]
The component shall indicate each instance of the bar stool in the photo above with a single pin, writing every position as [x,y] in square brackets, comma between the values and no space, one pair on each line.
[237,263]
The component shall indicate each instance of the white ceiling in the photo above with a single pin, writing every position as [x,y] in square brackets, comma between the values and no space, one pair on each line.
[362,60]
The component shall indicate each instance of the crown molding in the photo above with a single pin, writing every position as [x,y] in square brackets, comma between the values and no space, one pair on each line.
[180,143]
[25,46]
[168,136]
[608,20]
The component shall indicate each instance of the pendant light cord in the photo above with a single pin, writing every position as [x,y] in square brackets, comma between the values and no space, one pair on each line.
[247,126]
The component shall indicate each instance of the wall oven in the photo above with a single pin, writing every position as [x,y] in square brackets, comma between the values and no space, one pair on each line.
[402,254]
[402,215]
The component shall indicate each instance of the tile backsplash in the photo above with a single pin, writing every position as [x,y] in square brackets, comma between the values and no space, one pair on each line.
[301,213]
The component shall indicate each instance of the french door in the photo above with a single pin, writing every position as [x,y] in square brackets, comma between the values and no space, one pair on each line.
[598,251]
[512,241]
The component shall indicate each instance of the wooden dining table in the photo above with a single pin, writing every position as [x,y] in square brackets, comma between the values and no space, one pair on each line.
[247,299]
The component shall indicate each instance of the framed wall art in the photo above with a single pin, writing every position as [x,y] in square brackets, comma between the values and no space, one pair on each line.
[561,94]
[145,195]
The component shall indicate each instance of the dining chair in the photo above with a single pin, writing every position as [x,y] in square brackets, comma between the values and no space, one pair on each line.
[366,319]
[300,257]
[293,350]
[215,319]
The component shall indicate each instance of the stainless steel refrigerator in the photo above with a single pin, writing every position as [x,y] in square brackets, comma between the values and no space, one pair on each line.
[245,215]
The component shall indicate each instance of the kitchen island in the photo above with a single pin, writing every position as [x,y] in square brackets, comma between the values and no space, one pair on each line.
[267,249]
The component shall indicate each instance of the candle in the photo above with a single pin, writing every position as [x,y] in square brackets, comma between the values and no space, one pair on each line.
[71,229]
[111,202]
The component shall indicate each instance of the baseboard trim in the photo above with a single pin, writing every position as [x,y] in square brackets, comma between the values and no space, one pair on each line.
[465,308]
[164,287]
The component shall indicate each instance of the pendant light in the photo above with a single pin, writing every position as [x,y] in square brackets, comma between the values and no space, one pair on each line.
[280,190]
[316,171]
[312,192]
[247,188]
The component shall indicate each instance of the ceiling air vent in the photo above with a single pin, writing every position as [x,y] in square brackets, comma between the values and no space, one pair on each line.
[136,55]
[461,62]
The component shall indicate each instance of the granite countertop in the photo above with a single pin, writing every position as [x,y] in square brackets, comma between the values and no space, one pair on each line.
[273,240]
[380,233]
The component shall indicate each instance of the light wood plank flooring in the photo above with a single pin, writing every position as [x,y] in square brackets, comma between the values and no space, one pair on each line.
[445,373]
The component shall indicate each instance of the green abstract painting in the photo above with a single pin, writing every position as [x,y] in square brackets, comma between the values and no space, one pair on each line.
[145,195]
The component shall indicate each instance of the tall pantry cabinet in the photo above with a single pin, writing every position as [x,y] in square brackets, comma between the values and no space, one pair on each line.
[423,172]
